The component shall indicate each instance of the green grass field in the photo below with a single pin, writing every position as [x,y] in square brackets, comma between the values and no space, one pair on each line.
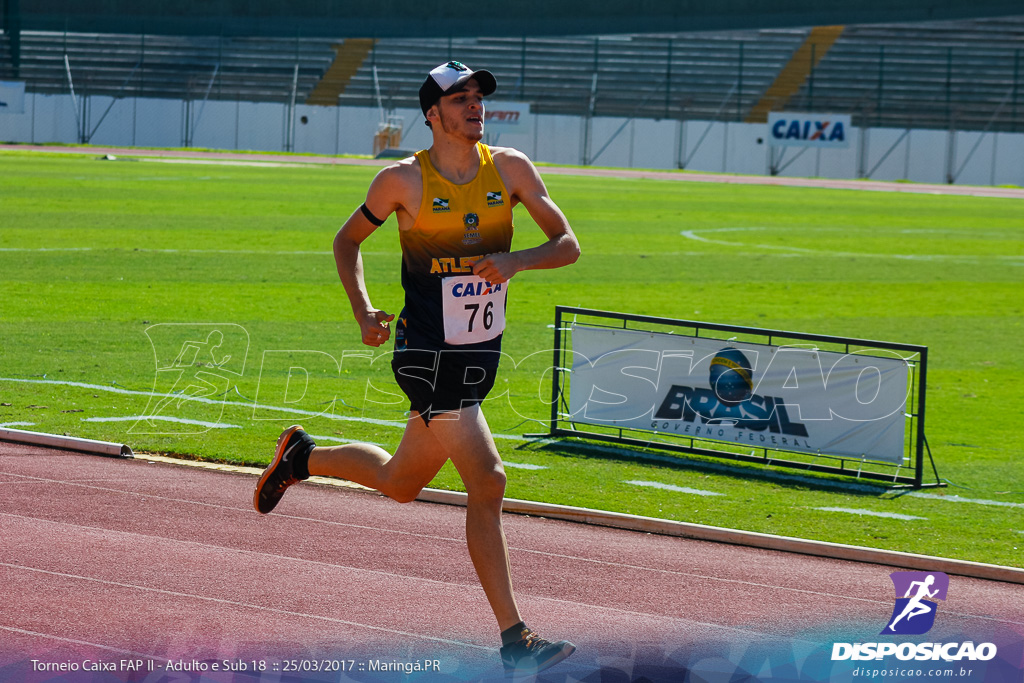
[106,268]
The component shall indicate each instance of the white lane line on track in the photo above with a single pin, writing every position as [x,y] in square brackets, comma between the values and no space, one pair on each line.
[240,551]
[403,577]
[243,605]
[460,541]
[232,508]
[48,636]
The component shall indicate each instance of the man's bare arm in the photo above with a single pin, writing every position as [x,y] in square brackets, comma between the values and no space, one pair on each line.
[382,199]
[526,186]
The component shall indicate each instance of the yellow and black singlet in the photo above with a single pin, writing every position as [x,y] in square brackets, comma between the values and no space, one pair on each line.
[446,305]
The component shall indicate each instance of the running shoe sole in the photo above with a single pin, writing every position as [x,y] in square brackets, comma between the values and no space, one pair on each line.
[521,669]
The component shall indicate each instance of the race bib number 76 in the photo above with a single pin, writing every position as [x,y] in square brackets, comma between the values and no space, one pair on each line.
[474,309]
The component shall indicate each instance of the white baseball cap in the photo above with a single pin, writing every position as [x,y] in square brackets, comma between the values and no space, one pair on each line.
[450,78]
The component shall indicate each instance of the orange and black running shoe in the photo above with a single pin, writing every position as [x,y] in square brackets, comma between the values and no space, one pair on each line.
[532,654]
[280,474]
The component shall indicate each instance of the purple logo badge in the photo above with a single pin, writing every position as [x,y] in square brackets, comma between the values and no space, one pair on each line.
[916,592]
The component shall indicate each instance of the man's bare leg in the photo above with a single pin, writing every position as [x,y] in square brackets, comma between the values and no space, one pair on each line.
[523,652]
[464,437]
[402,476]
[477,460]
[416,462]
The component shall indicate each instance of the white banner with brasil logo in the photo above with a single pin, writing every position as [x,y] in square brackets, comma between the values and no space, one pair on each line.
[791,398]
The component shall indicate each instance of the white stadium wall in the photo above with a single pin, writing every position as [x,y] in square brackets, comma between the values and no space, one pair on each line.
[927,156]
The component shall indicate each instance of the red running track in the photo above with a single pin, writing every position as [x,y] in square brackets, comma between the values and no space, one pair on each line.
[106,560]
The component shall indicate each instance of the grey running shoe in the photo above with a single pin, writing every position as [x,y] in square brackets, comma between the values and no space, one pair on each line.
[533,654]
[280,474]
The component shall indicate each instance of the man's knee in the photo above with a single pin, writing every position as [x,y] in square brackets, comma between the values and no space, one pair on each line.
[489,484]
[402,489]
[404,495]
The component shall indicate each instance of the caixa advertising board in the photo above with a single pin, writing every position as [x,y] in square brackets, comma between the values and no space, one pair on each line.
[792,398]
[788,129]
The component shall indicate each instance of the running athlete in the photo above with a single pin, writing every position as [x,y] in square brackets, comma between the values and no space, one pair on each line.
[453,204]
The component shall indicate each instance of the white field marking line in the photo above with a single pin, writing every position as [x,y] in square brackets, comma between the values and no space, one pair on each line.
[36,634]
[398,424]
[18,424]
[338,439]
[870,513]
[673,487]
[958,499]
[254,252]
[647,615]
[162,418]
[510,437]
[692,235]
[243,605]
[523,465]
[225,162]
[19,249]
[208,401]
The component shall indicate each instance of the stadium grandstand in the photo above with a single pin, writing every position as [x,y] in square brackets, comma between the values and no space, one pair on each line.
[965,74]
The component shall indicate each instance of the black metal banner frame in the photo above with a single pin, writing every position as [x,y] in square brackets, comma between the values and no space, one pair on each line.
[915,448]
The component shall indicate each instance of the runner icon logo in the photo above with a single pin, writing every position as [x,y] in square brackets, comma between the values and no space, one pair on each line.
[914,611]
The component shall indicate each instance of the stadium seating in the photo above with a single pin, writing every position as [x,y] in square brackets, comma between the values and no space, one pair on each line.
[964,74]
[249,69]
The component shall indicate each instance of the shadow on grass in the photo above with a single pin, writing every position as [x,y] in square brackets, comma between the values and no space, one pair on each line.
[791,477]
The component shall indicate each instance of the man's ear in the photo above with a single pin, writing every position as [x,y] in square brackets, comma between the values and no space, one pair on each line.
[433,115]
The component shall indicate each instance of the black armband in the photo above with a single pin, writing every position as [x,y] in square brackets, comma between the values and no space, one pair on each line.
[370,217]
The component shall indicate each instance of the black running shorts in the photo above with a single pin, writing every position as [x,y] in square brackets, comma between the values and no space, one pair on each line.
[443,381]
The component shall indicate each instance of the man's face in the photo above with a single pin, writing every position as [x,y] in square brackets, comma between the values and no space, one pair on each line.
[462,113]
